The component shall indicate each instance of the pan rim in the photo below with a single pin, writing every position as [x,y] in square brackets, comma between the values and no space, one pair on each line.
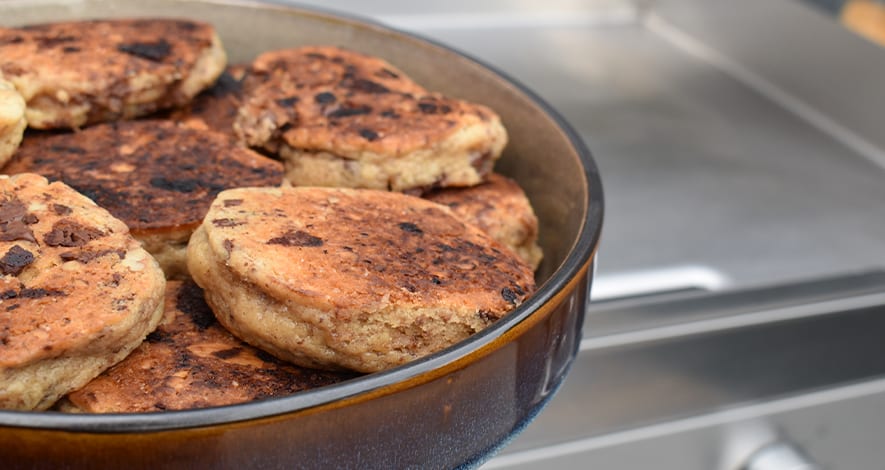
[578,259]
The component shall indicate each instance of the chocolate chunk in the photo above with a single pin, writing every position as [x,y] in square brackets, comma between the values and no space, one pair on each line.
[15,260]
[296,238]
[61,209]
[410,227]
[325,98]
[232,202]
[368,134]
[225,223]
[85,256]
[68,233]
[153,51]
[12,221]
[508,295]
[27,293]
[228,245]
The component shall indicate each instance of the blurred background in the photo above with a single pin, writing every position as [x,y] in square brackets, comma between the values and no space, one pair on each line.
[738,318]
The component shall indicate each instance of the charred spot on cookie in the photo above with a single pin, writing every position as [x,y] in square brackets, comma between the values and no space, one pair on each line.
[296,238]
[287,102]
[386,73]
[232,202]
[366,86]
[390,114]
[158,336]
[190,301]
[325,98]
[348,111]
[181,186]
[228,245]
[68,233]
[368,134]
[154,51]
[410,228]
[15,260]
[227,353]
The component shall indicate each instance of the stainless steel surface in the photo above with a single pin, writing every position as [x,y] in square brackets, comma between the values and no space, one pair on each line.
[779,456]
[700,168]
[741,147]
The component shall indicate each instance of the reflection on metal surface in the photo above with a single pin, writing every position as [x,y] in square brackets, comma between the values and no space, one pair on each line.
[614,286]
[779,456]
[695,442]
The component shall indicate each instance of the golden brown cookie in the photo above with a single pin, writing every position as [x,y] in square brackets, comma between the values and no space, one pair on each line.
[501,208]
[12,120]
[77,292]
[190,361]
[156,176]
[344,119]
[76,73]
[345,278]
[216,108]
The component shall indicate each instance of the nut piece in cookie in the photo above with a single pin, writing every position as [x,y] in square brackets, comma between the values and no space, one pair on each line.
[190,361]
[216,108]
[345,278]
[12,120]
[158,177]
[343,119]
[72,74]
[500,208]
[77,292]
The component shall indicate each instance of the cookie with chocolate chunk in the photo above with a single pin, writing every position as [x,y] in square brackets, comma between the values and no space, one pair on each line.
[354,279]
[12,120]
[344,119]
[77,292]
[76,73]
[157,176]
[500,208]
[190,361]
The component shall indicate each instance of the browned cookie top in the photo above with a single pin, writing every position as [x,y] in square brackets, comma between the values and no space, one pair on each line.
[151,174]
[72,277]
[190,361]
[120,67]
[216,108]
[323,98]
[355,251]
[499,207]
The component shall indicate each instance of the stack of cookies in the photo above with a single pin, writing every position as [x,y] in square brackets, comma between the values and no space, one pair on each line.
[179,233]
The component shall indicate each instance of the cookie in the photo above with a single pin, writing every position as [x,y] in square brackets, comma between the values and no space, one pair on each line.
[216,108]
[77,292]
[500,208]
[76,73]
[343,119]
[158,177]
[12,120]
[190,361]
[350,279]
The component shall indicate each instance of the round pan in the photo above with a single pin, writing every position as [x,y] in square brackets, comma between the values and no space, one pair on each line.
[454,408]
